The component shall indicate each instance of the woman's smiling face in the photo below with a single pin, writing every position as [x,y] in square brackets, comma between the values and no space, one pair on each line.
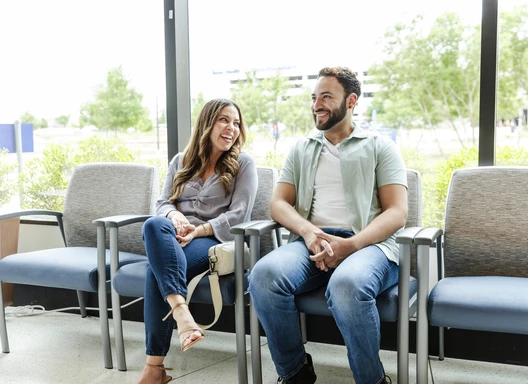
[225,130]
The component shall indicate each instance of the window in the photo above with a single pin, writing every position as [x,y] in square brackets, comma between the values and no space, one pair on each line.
[74,73]
[410,107]
[512,101]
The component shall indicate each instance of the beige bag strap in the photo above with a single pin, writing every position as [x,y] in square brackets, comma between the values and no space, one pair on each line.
[215,294]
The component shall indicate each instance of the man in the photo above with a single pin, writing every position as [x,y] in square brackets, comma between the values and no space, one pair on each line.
[342,194]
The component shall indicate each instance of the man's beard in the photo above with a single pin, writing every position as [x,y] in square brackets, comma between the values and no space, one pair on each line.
[335,117]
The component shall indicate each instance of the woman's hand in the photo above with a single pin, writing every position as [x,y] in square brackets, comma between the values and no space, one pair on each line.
[178,220]
[186,234]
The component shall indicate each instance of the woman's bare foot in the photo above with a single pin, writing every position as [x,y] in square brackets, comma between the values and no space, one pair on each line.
[188,330]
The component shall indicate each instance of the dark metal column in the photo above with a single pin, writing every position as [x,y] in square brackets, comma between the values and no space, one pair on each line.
[177,75]
[488,82]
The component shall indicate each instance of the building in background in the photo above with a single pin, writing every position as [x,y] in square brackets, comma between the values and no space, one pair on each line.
[298,79]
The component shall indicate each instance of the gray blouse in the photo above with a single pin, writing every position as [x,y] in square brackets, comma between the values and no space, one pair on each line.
[207,202]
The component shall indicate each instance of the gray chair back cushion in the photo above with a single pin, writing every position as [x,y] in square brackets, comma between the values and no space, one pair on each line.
[130,279]
[486,222]
[267,178]
[99,190]
[414,216]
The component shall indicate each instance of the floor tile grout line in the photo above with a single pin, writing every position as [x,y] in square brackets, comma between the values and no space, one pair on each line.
[206,367]
[431,370]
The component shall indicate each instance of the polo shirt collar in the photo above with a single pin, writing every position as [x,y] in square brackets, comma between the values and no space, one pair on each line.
[357,133]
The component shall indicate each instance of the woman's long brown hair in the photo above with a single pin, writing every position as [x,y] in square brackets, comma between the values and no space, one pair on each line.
[199,148]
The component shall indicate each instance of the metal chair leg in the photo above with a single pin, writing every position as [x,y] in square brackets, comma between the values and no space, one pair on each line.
[422,326]
[101,294]
[116,302]
[81,297]
[256,358]
[441,351]
[3,326]
[240,326]
[256,355]
[404,273]
[304,332]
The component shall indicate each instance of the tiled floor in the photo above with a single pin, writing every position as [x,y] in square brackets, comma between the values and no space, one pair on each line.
[64,348]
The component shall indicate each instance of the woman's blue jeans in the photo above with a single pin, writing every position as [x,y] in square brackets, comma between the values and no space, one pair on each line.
[351,293]
[170,267]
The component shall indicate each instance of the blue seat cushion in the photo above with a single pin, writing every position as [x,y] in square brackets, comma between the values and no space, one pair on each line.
[314,302]
[130,281]
[69,268]
[484,303]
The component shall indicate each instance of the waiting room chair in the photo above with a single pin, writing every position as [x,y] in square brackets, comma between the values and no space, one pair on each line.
[129,280]
[95,190]
[388,302]
[482,267]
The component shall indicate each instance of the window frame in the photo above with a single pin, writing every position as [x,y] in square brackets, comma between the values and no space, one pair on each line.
[179,94]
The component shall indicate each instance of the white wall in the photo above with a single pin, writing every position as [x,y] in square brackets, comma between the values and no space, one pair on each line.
[33,237]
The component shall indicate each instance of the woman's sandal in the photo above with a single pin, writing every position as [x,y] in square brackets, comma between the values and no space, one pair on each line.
[192,343]
[165,378]
[180,333]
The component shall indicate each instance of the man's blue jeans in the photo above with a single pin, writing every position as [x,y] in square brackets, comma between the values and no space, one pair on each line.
[351,295]
[170,267]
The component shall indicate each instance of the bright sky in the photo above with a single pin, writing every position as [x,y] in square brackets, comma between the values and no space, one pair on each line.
[54,53]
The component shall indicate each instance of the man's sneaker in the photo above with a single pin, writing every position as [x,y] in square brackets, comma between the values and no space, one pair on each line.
[305,376]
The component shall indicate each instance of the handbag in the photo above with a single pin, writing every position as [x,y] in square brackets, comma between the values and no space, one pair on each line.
[221,262]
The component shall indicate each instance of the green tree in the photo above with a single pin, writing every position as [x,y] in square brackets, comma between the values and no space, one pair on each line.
[44,180]
[196,107]
[28,118]
[430,77]
[513,70]
[259,99]
[435,187]
[162,116]
[295,113]
[8,186]
[62,120]
[117,106]
[99,149]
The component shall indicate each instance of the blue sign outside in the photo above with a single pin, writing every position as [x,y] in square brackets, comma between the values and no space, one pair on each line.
[7,137]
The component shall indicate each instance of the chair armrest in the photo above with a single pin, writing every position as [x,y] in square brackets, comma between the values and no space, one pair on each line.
[30,212]
[262,227]
[240,229]
[121,220]
[406,305]
[427,236]
[98,223]
[114,223]
[408,235]
[40,212]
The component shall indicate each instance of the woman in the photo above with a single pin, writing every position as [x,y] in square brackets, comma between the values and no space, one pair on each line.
[209,187]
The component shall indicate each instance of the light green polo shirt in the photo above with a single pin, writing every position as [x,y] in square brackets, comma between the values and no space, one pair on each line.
[368,161]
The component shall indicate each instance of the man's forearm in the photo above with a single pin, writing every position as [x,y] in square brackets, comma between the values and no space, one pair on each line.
[381,228]
[287,216]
